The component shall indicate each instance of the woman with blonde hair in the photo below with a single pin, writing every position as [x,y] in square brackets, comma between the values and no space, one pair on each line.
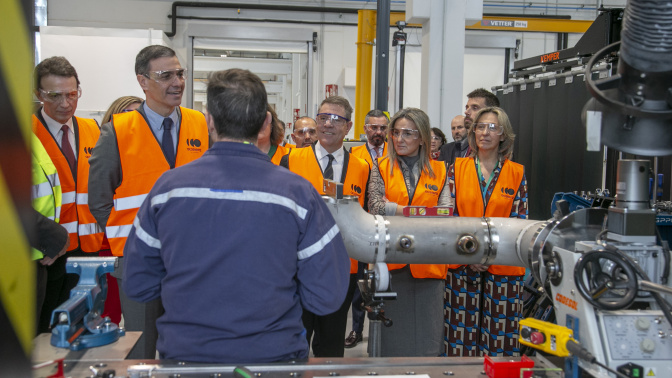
[408,176]
[486,184]
[121,105]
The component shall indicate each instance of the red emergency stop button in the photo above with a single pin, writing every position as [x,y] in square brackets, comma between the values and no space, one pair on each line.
[537,338]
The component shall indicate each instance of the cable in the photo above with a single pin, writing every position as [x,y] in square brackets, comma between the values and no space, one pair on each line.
[580,352]
[666,257]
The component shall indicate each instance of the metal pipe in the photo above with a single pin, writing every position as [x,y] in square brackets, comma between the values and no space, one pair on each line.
[452,240]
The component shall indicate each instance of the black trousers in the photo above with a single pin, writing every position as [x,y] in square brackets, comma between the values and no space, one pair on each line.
[328,331]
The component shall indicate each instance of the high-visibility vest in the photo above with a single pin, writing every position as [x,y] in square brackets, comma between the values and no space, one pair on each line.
[362,152]
[355,176]
[75,216]
[142,162]
[469,200]
[427,192]
[279,153]
[46,191]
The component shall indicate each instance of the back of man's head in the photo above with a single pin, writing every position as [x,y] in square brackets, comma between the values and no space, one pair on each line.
[490,99]
[56,65]
[148,54]
[237,103]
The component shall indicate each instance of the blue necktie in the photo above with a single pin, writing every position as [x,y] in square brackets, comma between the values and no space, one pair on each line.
[167,142]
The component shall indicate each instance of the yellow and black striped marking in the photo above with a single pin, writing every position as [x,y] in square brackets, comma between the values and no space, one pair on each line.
[17,281]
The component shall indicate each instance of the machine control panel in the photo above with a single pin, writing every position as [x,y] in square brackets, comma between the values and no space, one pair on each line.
[548,337]
[643,335]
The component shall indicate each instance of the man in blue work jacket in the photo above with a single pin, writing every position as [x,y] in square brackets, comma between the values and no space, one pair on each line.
[234,245]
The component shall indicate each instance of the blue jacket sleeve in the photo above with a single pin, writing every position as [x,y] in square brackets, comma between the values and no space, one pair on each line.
[143,266]
[323,265]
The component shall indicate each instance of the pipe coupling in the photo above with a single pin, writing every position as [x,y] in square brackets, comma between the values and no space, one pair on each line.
[467,244]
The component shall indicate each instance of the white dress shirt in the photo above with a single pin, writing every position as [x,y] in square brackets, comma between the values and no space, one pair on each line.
[54,128]
[336,165]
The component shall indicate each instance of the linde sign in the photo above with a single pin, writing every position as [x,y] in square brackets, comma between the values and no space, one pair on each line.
[504,23]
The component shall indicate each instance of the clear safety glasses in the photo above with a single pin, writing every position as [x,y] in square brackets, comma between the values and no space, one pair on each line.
[167,76]
[58,96]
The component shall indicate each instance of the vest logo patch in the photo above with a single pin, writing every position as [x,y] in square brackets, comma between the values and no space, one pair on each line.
[193,143]
[88,151]
[356,189]
[432,188]
[508,192]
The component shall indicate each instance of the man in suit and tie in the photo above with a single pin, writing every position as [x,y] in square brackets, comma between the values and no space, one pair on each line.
[134,149]
[68,141]
[327,159]
[375,126]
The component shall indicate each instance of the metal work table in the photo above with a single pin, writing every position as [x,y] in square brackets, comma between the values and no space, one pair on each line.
[437,367]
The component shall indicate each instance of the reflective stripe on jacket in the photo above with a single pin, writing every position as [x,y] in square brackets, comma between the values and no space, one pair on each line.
[469,200]
[75,215]
[355,176]
[46,191]
[427,192]
[142,162]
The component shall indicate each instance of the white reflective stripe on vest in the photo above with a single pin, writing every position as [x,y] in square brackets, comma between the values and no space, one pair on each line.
[89,229]
[54,180]
[41,190]
[57,212]
[118,231]
[126,203]
[68,197]
[71,227]
[83,199]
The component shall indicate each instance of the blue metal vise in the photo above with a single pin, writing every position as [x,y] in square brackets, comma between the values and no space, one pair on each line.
[77,323]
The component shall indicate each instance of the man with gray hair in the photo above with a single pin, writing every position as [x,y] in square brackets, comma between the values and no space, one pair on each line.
[327,159]
[134,149]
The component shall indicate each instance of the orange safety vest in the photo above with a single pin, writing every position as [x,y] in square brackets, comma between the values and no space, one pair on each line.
[355,176]
[362,152]
[82,227]
[279,153]
[427,192]
[289,145]
[469,200]
[142,162]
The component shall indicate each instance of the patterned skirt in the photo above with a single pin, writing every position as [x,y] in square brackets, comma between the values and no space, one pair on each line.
[481,313]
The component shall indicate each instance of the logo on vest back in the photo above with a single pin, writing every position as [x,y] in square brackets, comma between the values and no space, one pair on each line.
[193,145]
[508,192]
[88,151]
[356,189]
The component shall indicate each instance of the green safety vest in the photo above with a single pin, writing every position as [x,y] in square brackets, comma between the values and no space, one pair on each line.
[46,190]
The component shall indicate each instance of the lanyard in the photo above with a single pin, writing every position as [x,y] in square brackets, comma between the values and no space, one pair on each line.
[484,190]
